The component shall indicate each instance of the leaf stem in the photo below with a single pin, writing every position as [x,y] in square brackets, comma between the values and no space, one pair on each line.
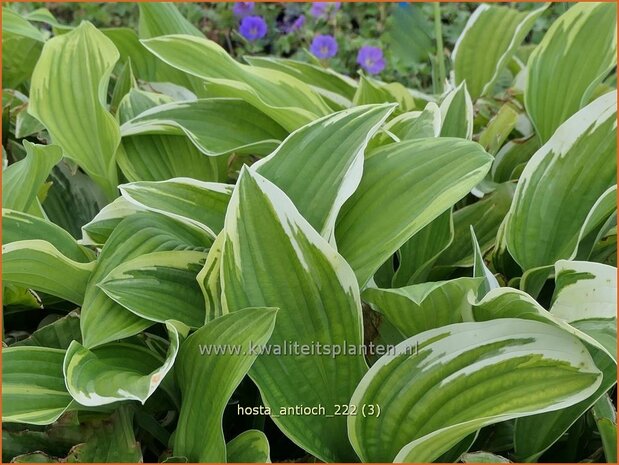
[440,55]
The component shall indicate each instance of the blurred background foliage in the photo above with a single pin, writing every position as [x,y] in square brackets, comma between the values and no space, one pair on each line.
[405,31]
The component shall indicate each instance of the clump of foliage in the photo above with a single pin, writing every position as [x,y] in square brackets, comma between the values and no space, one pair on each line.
[168,209]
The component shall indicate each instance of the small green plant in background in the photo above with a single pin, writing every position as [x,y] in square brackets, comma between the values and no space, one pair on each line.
[180,189]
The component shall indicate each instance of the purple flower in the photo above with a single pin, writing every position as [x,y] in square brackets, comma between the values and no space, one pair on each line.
[322,9]
[297,24]
[371,59]
[324,46]
[242,9]
[253,27]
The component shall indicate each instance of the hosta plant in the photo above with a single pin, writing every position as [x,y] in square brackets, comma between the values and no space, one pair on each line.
[211,259]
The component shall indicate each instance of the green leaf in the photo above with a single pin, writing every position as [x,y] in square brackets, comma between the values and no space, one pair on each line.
[114,441]
[331,85]
[250,446]
[371,90]
[268,90]
[88,133]
[404,187]
[457,113]
[103,320]
[199,435]
[561,184]
[267,243]
[480,270]
[124,83]
[501,30]
[22,180]
[33,389]
[446,383]
[420,307]
[17,226]
[157,157]
[559,82]
[196,203]
[158,19]
[56,335]
[409,33]
[117,371]
[304,167]
[215,126]
[605,415]
[512,157]
[584,291]
[417,255]
[482,457]
[160,286]
[416,124]
[485,216]
[146,66]
[534,434]
[38,265]
[22,43]
[499,128]
[98,230]
[73,199]
[209,280]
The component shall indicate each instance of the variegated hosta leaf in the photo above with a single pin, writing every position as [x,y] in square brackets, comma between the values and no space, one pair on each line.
[87,132]
[98,230]
[164,18]
[417,255]
[404,187]
[586,291]
[536,433]
[33,389]
[410,125]
[160,156]
[250,446]
[420,307]
[457,113]
[285,99]
[160,286]
[267,243]
[196,203]
[605,415]
[207,379]
[446,383]
[38,265]
[501,29]
[561,184]
[209,280]
[22,180]
[103,320]
[118,371]
[371,90]
[417,125]
[334,87]
[17,226]
[160,19]
[215,126]
[559,82]
[22,43]
[480,270]
[320,165]
[512,158]
[600,221]
[499,128]
[485,216]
